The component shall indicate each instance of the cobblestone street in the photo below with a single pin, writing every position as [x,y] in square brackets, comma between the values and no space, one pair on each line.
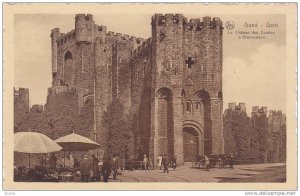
[189,174]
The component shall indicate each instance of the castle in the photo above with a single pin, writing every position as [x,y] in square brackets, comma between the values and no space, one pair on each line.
[260,138]
[172,81]
[170,85]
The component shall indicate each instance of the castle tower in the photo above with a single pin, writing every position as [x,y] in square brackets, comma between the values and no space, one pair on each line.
[84,69]
[103,95]
[84,28]
[202,87]
[212,73]
[166,118]
[21,101]
[54,36]
[121,74]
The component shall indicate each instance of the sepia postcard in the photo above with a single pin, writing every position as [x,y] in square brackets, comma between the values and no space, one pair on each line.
[149,96]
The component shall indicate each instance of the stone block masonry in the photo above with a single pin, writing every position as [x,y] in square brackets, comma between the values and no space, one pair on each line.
[169,85]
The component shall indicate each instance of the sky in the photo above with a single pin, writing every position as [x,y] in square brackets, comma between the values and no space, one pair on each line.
[253,69]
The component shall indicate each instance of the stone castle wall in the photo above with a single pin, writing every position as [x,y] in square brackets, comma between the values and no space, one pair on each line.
[21,103]
[172,80]
[260,138]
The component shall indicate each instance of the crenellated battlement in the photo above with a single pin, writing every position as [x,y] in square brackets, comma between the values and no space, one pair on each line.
[193,24]
[83,17]
[275,113]
[121,36]
[241,107]
[55,32]
[197,25]
[161,19]
[259,111]
[100,28]
[65,38]
[142,48]
[21,92]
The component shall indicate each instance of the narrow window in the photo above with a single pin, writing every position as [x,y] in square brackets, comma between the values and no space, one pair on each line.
[189,107]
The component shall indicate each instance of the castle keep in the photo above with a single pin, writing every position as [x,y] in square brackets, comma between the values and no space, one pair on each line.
[170,84]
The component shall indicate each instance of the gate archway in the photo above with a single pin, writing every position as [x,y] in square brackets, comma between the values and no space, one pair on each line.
[193,143]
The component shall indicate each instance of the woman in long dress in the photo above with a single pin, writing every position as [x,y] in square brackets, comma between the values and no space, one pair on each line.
[159,161]
[206,163]
[145,162]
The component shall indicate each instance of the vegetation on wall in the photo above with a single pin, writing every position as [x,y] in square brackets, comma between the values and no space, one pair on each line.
[120,136]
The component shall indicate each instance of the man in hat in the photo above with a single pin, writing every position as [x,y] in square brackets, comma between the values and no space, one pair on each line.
[115,166]
[85,167]
[165,161]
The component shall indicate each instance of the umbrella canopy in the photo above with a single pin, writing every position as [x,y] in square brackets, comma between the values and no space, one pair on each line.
[75,142]
[32,142]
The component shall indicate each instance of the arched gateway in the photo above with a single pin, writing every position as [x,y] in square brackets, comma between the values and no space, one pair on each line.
[193,143]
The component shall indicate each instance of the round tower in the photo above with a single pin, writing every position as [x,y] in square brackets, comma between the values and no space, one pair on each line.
[84,28]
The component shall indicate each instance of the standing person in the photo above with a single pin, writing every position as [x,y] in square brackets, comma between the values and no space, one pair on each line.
[114,166]
[174,162]
[159,161]
[231,160]
[43,161]
[165,161]
[76,162]
[220,160]
[206,163]
[225,161]
[100,165]
[123,164]
[105,170]
[53,161]
[95,167]
[145,162]
[131,164]
[85,167]
[69,162]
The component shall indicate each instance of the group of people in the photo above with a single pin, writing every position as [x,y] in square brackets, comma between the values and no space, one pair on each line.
[147,163]
[226,160]
[221,161]
[94,170]
[163,161]
[91,169]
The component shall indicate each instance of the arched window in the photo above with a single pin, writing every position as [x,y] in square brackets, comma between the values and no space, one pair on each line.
[68,71]
[68,55]
[198,106]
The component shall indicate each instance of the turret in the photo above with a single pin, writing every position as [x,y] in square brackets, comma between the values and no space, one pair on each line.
[84,28]
[54,36]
